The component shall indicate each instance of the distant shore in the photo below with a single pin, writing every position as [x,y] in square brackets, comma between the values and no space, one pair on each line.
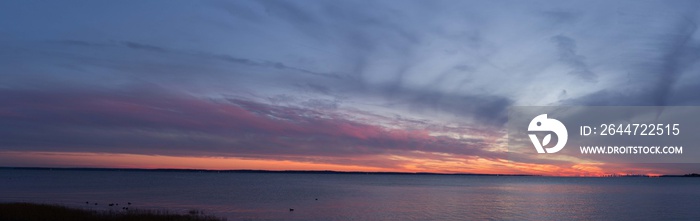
[256,171]
[42,212]
[315,172]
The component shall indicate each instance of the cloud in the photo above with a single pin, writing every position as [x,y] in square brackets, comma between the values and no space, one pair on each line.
[566,47]
[681,51]
[483,108]
[221,57]
[146,121]
[653,79]
[561,16]
[140,46]
[323,80]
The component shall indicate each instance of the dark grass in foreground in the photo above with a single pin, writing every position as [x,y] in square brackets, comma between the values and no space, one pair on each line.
[44,212]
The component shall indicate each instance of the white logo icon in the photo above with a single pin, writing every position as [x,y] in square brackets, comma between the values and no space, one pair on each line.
[543,124]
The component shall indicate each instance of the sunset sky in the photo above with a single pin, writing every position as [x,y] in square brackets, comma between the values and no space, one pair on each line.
[414,86]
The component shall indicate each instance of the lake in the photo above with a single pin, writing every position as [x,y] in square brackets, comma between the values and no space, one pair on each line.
[269,196]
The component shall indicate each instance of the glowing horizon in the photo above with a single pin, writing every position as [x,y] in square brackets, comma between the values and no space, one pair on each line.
[136,161]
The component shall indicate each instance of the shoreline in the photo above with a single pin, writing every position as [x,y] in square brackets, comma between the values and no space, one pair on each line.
[328,172]
[23,211]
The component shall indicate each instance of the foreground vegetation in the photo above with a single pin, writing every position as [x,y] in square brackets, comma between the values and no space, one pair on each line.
[43,212]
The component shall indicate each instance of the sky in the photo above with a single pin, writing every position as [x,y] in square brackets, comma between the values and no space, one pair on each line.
[405,86]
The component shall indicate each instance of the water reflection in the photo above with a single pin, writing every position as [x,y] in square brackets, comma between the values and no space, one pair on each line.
[364,197]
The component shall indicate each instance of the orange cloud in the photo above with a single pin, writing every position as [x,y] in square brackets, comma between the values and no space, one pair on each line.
[48,159]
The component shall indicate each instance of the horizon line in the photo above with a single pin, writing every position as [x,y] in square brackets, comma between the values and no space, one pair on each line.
[322,172]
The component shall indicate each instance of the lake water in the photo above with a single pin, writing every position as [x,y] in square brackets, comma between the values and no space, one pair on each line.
[268,196]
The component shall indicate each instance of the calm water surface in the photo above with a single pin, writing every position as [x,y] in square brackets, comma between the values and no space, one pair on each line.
[268,196]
